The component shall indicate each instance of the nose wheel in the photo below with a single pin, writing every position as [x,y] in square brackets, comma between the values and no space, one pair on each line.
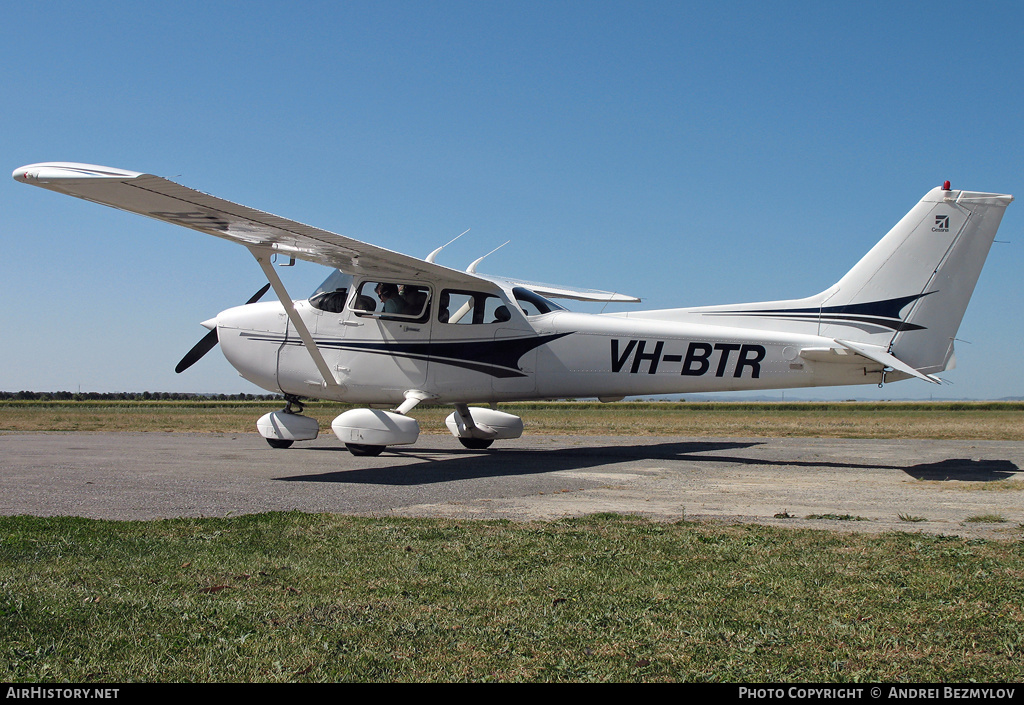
[361,449]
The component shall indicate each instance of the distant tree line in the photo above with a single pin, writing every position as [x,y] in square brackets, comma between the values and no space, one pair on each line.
[132,396]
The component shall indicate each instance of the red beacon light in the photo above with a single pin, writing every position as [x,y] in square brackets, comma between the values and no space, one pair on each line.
[945,186]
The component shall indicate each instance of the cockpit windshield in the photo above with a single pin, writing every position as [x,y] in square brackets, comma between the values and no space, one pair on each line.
[330,296]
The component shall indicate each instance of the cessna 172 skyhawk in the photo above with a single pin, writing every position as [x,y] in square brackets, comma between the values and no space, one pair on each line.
[394,330]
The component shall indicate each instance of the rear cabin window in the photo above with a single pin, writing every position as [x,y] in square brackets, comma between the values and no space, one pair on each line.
[458,307]
[389,300]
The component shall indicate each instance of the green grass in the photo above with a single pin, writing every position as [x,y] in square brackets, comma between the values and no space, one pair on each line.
[294,597]
[297,597]
[959,420]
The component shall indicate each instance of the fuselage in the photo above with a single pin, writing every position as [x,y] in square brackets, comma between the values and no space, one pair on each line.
[530,354]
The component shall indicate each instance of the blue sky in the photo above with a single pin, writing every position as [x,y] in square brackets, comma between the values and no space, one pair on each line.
[687,153]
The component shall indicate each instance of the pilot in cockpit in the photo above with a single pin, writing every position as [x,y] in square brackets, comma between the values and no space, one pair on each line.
[388,295]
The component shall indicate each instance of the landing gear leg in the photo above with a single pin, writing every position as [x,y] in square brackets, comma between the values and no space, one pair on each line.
[290,402]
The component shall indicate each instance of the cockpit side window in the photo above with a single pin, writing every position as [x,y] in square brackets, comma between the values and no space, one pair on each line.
[391,300]
[533,304]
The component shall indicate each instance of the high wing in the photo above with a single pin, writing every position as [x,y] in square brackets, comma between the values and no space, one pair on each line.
[165,200]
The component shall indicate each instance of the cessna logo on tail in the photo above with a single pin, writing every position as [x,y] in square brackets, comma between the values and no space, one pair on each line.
[699,359]
[941,224]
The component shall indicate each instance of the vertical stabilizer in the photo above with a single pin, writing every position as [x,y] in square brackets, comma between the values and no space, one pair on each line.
[909,293]
[902,302]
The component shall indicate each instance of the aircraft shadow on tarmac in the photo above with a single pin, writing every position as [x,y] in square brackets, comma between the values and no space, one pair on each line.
[447,465]
[965,470]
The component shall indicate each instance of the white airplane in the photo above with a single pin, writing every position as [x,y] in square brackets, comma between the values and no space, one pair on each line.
[387,329]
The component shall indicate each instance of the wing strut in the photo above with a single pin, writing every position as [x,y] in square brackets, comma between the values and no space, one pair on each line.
[263,257]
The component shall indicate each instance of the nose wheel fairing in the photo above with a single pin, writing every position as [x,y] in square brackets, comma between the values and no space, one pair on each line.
[282,428]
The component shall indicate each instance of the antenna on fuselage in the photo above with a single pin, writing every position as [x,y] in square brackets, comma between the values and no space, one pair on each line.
[471,269]
[433,255]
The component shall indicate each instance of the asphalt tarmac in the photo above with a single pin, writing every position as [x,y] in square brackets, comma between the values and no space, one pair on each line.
[884,483]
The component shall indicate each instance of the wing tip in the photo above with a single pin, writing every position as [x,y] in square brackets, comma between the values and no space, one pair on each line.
[48,172]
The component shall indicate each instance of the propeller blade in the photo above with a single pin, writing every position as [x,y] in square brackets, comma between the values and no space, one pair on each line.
[259,294]
[210,339]
[201,348]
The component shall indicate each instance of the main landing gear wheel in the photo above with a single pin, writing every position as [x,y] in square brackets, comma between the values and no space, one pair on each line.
[279,443]
[361,449]
[476,443]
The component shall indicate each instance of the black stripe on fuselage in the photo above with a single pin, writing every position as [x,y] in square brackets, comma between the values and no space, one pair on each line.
[498,358]
[883,314]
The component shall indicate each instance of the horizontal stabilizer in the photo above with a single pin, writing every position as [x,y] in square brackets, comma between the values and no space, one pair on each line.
[856,352]
[888,359]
